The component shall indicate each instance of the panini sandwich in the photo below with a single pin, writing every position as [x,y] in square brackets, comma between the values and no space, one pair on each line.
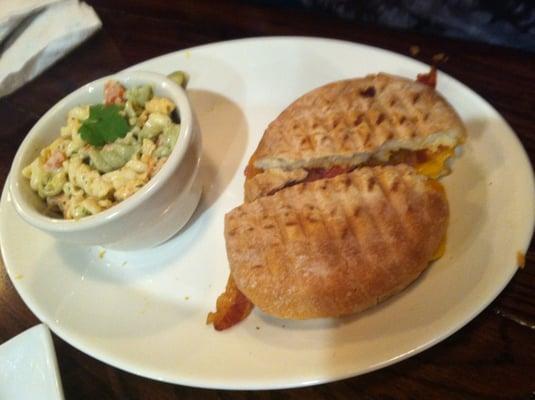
[342,209]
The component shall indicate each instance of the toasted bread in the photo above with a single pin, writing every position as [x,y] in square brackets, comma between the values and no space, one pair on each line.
[358,121]
[336,246]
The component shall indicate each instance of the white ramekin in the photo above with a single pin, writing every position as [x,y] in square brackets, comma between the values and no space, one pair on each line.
[147,218]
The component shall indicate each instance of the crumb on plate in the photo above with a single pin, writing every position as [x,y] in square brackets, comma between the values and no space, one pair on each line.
[520,259]
[439,58]
[414,50]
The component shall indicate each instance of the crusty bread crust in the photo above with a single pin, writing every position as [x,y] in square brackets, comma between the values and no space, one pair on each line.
[336,246]
[349,121]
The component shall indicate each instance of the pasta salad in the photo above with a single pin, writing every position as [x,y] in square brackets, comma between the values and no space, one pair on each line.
[105,152]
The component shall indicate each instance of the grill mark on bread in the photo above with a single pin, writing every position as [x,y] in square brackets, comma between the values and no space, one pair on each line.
[352,215]
[279,250]
[352,222]
[397,129]
[261,221]
[395,184]
[281,234]
[286,139]
[371,183]
[380,119]
[357,138]
[415,211]
[370,133]
[364,108]
[309,134]
[300,230]
[311,142]
[369,221]
[339,94]
[349,263]
[258,221]
[387,119]
[351,228]
[336,121]
[405,225]
[415,115]
[337,118]
[340,104]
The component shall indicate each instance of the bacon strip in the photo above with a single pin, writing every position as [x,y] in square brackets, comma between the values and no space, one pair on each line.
[429,79]
[232,307]
[315,174]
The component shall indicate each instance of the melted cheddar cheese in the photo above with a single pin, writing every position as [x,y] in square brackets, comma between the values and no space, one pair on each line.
[440,251]
[435,166]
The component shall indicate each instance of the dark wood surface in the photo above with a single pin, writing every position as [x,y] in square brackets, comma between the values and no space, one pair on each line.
[492,357]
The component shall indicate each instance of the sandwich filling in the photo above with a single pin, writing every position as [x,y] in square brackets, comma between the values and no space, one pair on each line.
[429,163]
[432,164]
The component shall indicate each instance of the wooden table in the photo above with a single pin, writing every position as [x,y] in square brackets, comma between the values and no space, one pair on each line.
[492,357]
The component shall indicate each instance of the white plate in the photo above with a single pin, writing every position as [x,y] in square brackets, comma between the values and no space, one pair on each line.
[28,367]
[145,312]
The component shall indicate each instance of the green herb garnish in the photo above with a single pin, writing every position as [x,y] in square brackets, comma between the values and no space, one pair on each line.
[104,125]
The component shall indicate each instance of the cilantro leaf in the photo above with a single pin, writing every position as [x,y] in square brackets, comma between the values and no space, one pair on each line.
[104,125]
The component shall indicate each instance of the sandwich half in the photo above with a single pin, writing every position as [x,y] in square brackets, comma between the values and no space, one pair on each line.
[376,120]
[336,246]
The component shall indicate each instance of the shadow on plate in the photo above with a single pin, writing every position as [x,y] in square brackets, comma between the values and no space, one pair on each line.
[224,134]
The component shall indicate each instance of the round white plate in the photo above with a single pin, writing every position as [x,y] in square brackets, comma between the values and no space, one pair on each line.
[145,311]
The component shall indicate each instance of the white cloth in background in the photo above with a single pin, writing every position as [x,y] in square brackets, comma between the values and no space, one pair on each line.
[36,33]
[13,12]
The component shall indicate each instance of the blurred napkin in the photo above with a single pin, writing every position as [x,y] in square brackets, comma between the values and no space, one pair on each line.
[36,33]
[13,12]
